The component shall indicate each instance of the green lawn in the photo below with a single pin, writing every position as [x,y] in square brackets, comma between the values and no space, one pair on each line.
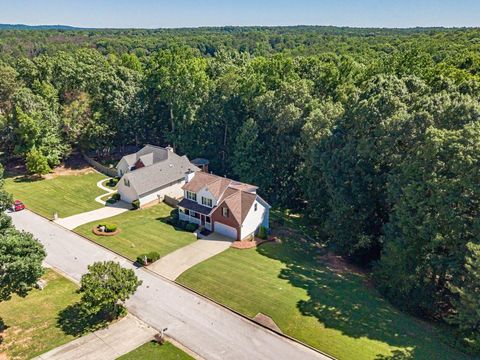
[66,195]
[30,323]
[153,351]
[338,313]
[141,231]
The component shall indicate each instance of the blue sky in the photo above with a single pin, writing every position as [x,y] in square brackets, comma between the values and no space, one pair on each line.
[186,13]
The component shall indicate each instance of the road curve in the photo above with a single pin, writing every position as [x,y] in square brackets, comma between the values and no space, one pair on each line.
[204,327]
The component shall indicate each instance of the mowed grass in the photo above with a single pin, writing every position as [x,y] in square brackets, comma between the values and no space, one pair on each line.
[141,231]
[154,351]
[31,323]
[337,313]
[67,195]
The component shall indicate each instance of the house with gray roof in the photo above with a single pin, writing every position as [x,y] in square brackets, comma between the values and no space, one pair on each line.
[151,173]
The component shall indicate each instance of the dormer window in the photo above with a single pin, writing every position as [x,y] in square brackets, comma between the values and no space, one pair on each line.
[225,212]
[206,201]
[191,196]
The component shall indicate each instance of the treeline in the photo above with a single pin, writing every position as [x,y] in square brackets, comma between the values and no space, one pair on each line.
[378,145]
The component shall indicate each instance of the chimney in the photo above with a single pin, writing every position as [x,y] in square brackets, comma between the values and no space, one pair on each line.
[189,175]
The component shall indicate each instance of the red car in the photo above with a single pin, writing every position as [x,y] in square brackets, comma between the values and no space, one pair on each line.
[18,205]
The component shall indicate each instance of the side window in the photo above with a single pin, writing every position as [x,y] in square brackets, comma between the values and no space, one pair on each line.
[225,212]
[191,196]
[255,207]
[126,182]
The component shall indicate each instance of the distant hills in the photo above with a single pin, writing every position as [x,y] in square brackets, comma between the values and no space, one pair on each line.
[37,27]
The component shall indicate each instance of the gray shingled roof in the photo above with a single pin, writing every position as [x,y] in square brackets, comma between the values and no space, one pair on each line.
[149,154]
[160,174]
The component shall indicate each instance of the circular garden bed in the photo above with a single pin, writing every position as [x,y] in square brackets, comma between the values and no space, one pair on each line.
[105,230]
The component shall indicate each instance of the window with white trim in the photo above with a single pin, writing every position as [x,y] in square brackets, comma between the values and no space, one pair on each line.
[191,196]
[255,207]
[206,201]
[225,212]
[126,182]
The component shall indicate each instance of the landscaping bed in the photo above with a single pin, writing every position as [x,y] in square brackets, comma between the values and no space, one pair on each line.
[108,230]
[250,244]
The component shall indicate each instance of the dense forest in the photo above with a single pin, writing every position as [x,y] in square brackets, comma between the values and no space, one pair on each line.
[372,134]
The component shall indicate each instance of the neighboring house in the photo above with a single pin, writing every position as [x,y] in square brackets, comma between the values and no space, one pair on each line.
[151,173]
[222,205]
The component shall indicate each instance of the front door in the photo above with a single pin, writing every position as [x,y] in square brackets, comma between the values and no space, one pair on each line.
[202,220]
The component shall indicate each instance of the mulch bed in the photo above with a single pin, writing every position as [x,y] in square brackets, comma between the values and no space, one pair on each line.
[101,233]
[249,244]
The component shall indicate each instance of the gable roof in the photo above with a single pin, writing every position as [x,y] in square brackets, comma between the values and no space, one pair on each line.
[160,174]
[239,202]
[237,196]
[149,155]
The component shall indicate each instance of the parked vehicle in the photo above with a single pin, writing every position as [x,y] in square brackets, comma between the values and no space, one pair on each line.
[18,205]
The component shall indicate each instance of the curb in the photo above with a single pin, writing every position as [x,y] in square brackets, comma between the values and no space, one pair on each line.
[244,317]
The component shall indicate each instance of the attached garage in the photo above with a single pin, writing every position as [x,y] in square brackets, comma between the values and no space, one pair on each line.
[225,230]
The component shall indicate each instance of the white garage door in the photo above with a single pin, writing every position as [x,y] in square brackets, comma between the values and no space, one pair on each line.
[225,230]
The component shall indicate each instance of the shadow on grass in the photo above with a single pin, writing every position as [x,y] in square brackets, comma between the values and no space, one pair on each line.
[396,355]
[3,327]
[74,321]
[345,302]
[27,179]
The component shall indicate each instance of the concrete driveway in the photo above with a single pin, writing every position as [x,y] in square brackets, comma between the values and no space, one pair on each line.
[175,263]
[74,221]
[207,329]
[107,344]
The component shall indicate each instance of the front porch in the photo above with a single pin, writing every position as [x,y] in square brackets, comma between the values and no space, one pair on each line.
[195,218]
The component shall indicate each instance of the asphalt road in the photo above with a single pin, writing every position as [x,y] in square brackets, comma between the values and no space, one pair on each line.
[207,329]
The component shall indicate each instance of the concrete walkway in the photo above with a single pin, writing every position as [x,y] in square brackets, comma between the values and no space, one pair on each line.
[175,263]
[107,192]
[74,221]
[109,210]
[204,327]
[106,344]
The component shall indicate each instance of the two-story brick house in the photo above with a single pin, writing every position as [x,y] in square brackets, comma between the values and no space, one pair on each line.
[228,207]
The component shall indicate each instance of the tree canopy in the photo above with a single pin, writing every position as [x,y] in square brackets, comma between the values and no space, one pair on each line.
[371,134]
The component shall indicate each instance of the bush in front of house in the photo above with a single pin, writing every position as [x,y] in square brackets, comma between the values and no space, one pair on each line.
[191,227]
[136,204]
[111,201]
[109,228]
[145,259]
[112,182]
[262,232]
[116,197]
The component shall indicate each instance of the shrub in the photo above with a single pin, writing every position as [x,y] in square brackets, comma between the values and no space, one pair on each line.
[262,232]
[108,227]
[153,256]
[142,259]
[111,201]
[191,227]
[112,182]
[136,204]
[145,259]
[116,197]
[182,224]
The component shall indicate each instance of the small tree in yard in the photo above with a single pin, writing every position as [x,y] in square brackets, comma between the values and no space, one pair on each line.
[21,259]
[37,163]
[106,287]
